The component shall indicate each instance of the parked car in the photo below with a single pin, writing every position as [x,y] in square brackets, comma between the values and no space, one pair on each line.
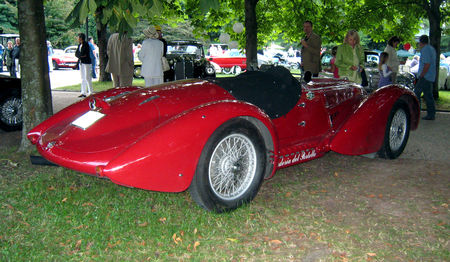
[65,59]
[221,137]
[186,60]
[231,61]
[11,116]
[371,67]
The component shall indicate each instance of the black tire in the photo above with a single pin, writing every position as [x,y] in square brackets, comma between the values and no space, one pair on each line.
[224,180]
[226,70]
[397,131]
[55,65]
[11,115]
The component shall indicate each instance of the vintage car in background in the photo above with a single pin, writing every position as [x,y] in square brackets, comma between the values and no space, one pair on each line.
[231,61]
[221,137]
[65,59]
[186,60]
[11,116]
[371,67]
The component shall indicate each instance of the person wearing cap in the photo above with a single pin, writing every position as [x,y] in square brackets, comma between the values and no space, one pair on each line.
[427,76]
[167,74]
[160,37]
[120,59]
[151,54]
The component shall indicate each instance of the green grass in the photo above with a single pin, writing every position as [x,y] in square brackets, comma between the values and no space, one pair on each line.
[443,103]
[54,214]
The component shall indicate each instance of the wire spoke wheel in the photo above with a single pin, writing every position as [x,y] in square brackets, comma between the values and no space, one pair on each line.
[397,131]
[232,166]
[11,114]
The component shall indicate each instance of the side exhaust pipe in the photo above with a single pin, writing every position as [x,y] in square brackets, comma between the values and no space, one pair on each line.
[39,160]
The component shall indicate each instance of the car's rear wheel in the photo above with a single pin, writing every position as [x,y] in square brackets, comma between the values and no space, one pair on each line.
[230,169]
[226,70]
[11,115]
[397,131]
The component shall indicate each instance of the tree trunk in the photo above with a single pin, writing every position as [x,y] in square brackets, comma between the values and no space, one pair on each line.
[36,92]
[102,45]
[251,34]
[434,16]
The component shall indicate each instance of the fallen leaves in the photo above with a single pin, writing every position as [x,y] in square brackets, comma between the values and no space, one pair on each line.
[176,238]
[10,163]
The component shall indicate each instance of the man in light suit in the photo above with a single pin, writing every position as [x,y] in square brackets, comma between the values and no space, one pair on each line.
[120,59]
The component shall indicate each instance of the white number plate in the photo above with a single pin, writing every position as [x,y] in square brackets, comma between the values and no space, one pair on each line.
[87,119]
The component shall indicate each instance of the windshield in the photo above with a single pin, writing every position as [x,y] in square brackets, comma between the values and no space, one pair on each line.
[184,49]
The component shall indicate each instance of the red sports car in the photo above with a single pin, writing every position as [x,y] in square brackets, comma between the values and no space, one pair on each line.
[65,59]
[220,138]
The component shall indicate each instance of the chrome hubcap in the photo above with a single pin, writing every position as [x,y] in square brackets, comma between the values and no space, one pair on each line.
[11,112]
[397,131]
[232,167]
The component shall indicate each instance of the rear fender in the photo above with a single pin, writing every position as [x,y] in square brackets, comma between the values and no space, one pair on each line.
[363,133]
[166,158]
[70,111]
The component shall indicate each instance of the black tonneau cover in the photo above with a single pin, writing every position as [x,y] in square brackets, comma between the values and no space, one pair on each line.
[275,90]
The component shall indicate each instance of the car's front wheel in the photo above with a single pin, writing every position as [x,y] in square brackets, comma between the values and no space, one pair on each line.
[397,131]
[230,169]
[11,115]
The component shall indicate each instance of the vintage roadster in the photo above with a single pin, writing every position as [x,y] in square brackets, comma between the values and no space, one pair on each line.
[221,137]
[186,60]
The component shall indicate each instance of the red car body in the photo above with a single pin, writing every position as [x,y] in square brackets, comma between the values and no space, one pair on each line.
[230,59]
[154,138]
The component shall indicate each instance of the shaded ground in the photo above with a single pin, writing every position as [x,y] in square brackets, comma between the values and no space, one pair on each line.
[357,199]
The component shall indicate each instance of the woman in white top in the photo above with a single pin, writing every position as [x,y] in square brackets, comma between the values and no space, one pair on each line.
[393,61]
[150,55]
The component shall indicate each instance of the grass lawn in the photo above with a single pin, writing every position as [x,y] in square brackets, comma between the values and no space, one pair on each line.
[337,208]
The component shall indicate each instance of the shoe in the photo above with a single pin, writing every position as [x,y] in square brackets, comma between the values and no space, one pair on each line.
[82,95]
[428,118]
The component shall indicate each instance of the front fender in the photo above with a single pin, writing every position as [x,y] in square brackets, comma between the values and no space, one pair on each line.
[166,158]
[363,133]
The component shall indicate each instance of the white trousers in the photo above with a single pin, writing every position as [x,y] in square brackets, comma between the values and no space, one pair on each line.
[153,81]
[86,79]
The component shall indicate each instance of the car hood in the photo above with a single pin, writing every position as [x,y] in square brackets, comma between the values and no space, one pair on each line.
[129,116]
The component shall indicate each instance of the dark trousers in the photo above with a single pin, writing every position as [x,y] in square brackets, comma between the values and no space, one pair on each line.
[94,65]
[426,87]
[13,72]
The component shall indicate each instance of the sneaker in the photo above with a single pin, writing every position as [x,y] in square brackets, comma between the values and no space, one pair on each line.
[82,95]
[428,118]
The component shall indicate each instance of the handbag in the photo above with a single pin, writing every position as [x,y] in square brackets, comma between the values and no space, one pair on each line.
[165,64]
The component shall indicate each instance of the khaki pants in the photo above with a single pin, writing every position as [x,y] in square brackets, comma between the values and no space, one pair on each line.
[120,80]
